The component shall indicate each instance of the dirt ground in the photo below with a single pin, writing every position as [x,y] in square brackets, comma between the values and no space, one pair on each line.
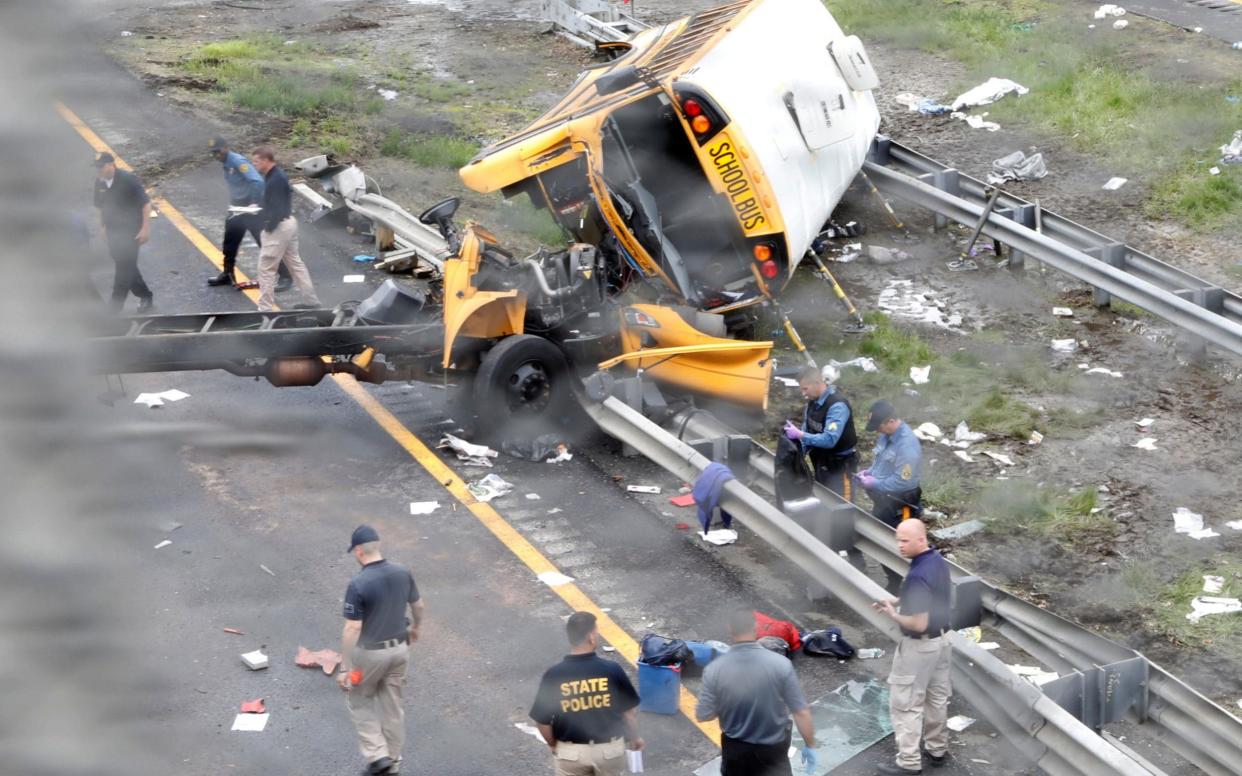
[509,68]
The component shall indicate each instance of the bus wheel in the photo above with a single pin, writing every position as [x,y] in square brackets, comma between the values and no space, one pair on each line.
[522,381]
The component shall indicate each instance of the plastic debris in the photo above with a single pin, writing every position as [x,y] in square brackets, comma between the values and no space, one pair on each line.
[958,723]
[1213,171]
[869,653]
[1063,312]
[999,458]
[1146,443]
[253,707]
[862,362]
[153,400]
[788,382]
[719,536]
[234,631]
[1202,606]
[562,455]
[900,299]
[920,374]
[974,633]
[554,578]
[532,496]
[959,531]
[634,760]
[354,279]
[423,507]
[964,456]
[489,487]
[653,489]
[1115,183]
[467,452]
[250,723]
[326,659]
[1065,345]
[1017,167]
[684,500]
[1231,152]
[1099,370]
[163,544]
[255,661]
[928,432]
[1036,438]
[988,92]
[1105,11]
[962,433]
[924,105]
[1213,584]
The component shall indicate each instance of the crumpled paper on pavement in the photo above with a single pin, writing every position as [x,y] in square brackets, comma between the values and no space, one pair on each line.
[720,536]
[988,92]
[324,658]
[467,452]
[488,488]
[153,400]
[1017,167]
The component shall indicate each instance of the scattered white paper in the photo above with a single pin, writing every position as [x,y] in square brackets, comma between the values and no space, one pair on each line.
[788,382]
[1203,533]
[920,374]
[1099,370]
[1120,24]
[963,433]
[1115,183]
[720,536]
[1022,670]
[353,278]
[250,723]
[958,723]
[999,458]
[1109,9]
[964,456]
[255,661]
[1213,171]
[1146,443]
[643,488]
[1063,312]
[1235,525]
[488,488]
[532,496]
[634,760]
[1185,521]
[975,121]
[423,507]
[1084,366]
[1202,606]
[1036,438]
[1145,423]
[467,452]
[126,34]
[157,399]
[387,94]
[555,511]
[928,432]
[530,730]
[163,544]
[862,362]
[1065,345]
[1213,584]
[554,579]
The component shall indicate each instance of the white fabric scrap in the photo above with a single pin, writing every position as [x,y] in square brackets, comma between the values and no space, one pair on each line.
[959,723]
[554,579]
[720,536]
[423,507]
[1115,183]
[999,458]
[862,362]
[532,496]
[562,455]
[1146,443]
[1213,584]
[988,92]
[920,374]
[1202,606]
[250,723]
[1185,521]
[963,433]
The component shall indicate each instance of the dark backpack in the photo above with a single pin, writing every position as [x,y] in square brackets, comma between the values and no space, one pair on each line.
[775,644]
[792,475]
[662,651]
[827,643]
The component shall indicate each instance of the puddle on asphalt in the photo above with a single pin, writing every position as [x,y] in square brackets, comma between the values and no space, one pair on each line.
[901,299]
[847,720]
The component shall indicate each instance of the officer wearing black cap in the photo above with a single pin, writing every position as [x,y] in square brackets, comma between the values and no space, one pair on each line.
[245,190]
[125,212]
[892,482]
[382,613]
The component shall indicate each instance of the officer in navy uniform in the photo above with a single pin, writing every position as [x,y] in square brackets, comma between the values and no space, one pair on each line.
[245,189]
[827,433]
[586,707]
[892,482]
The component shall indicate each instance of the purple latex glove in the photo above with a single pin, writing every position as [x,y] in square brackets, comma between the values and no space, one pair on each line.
[792,432]
[866,480]
[863,473]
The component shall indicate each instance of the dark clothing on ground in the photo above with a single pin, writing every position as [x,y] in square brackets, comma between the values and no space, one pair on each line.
[380,595]
[584,699]
[277,198]
[753,692]
[927,588]
[738,758]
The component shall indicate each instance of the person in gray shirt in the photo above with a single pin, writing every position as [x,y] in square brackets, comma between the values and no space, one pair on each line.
[753,691]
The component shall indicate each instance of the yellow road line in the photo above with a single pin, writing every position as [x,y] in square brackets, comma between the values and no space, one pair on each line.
[517,544]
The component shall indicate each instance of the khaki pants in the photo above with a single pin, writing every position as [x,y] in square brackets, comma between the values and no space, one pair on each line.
[590,759]
[281,245]
[375,703]
[919,698]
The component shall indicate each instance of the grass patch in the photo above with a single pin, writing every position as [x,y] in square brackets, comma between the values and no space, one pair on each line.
[1066,519]
[893,348]
[997,413]
[1105,95]
[435,89]
[1170,604]
[335,133]
[429,150]
[944,493]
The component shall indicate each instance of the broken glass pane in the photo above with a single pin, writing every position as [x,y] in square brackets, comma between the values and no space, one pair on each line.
[847,720]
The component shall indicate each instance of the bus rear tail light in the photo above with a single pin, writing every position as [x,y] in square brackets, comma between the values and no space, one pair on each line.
[769,270]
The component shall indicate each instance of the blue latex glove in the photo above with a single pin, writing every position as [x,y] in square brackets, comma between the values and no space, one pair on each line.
[792,432]
[866,480]
[810,760]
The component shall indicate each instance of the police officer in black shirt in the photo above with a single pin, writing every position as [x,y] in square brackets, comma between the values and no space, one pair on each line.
[125,212]
[919,687]
[586,707]
[382,613]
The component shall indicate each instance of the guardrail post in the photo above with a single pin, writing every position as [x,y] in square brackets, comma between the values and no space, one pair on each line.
[1209,298]
[1024,214]
[879,151]
[1114,255]
[947,180]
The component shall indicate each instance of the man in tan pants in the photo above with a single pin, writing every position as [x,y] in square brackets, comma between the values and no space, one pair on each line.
[919,682]
[279,237]
[375,650]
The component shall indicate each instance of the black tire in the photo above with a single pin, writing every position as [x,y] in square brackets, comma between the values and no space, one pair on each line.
[522,387]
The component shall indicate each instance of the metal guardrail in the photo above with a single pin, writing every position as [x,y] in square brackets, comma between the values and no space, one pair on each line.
[1203,309]
[1038,727]
[1104,682]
